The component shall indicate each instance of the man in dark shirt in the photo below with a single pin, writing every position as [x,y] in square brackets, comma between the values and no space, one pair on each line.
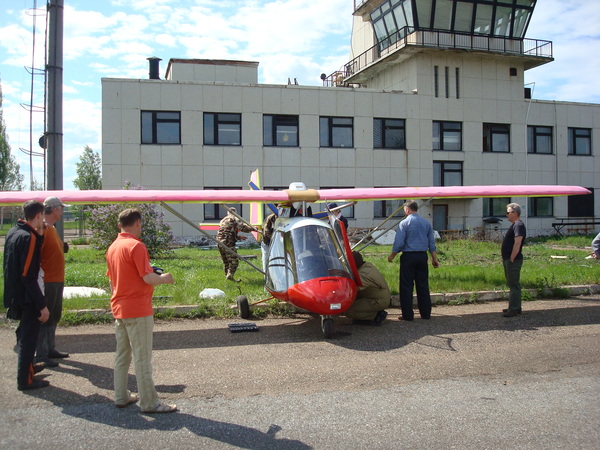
[512,258]
[23,296]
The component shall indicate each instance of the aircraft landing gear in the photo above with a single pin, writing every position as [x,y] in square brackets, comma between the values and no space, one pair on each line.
[243,307]
[327,326]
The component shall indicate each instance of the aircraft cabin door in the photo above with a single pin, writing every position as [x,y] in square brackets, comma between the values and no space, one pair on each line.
[440,217]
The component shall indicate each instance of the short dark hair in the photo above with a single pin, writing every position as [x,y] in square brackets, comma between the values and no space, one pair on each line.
[129,216]
[412,205]
[32,208]
[358,259]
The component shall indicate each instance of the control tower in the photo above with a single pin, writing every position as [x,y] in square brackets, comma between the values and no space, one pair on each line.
[443,48]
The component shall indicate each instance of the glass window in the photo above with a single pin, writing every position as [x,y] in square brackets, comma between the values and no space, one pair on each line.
[581,205]
[280,131]
[580,141]
[389,133]
[495,207]
[161,127]
[447,173]
[336,131]
[483,18]
[496,138]
[222,129]
[213,211]
[384,208]
[539,140]
[447,136]
[540,206]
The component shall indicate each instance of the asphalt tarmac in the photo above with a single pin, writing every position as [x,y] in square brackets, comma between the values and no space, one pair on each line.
[467,378]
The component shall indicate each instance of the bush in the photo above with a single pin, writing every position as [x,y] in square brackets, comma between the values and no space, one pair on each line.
[156,233]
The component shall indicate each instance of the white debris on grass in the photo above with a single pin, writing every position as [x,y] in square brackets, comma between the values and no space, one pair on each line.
[82,291]
[212,293]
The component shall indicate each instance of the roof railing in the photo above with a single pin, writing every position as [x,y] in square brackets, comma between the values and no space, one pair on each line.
[409,36]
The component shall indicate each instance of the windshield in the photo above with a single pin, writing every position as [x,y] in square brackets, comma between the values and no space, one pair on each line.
[316,253]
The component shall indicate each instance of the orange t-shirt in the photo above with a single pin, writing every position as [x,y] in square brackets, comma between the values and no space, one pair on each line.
[128,262]
[53,257]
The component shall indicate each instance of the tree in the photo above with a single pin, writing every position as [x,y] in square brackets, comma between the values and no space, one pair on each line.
[89,170]
[10,176]
[156,233]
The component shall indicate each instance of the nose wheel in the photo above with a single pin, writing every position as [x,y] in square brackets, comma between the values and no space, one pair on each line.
[327,327]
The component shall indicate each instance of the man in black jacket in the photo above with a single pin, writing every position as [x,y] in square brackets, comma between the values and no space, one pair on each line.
[23,296]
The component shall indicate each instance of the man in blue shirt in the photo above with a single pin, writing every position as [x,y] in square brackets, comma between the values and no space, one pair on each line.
[413,238]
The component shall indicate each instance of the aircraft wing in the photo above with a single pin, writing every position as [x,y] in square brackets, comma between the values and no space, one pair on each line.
[266,196]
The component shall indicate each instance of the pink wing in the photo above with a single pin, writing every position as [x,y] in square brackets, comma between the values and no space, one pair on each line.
[310,195]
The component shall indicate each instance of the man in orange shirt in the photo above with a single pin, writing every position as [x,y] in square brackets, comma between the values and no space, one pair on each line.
[53,268]
[132,281]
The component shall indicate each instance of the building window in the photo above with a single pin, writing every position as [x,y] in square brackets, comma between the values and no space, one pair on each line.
[389,133]
[539,140]
[336,132]
[161,127]
[496,138]
[495,207]
[457,74]
[447,81]
[436,80]
[347,212]
[280,131]
[384,208]
[446,173]
[214,211]
[222,129]
[581,205]
[580,141]
[540,206]
[447,136]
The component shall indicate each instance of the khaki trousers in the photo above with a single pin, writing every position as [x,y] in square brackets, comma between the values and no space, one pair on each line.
[134,336]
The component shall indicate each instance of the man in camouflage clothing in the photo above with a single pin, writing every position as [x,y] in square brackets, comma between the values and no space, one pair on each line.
[229,227]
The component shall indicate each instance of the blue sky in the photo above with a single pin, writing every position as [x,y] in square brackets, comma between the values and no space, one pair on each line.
[289,38]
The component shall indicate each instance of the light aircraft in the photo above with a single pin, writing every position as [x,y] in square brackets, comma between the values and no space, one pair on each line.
[310,263]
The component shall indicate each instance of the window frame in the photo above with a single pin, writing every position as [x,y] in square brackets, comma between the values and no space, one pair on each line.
[155,131]
[218,120]
[331,127]
[276,123]
[533,206]
[534,135]
[573,138]
[493,205]
[219,213]
[387,207]
[385,126]
[443,129]
[490,132]
[443,171]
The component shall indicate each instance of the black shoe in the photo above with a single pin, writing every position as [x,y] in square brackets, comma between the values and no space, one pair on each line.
[511,313]
[35,384]
[38,367]
[406,319]
[57,355]
[380,317]
[507,310]
[47,362]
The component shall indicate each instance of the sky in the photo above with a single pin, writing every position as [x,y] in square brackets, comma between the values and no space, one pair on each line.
[289,38]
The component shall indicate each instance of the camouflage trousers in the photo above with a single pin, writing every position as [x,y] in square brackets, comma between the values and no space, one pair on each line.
[230,262]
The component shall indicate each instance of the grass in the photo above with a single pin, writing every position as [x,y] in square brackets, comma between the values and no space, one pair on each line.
[466,265]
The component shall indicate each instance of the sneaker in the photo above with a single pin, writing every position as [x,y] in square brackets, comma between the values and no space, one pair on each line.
[47,362]
[380,317]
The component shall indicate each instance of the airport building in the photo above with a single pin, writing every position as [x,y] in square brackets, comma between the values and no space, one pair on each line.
[433,95]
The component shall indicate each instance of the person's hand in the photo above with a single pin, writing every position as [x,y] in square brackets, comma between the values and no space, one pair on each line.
[167,278]
[391,258]
[44,315]
[435,263]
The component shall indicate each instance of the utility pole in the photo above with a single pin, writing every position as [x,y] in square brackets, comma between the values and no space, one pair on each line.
[54,110]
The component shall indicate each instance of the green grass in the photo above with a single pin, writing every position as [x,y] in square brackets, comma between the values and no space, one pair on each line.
[466,265]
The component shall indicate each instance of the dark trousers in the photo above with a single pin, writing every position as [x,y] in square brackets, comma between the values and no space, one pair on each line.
[414,271]
[27,336]
[512,272]
[54,301]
